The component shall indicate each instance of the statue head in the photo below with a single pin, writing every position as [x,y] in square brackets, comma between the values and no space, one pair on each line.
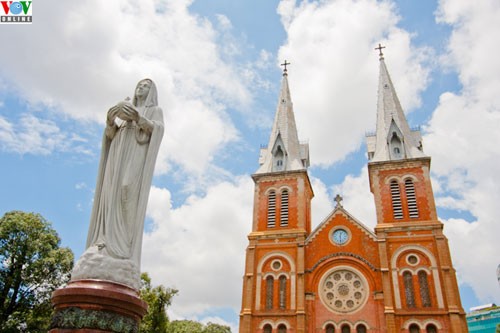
[146,89]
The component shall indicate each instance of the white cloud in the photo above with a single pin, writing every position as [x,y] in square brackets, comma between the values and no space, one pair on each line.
[462,138]
[333,76]
[32,135]
[199,247]
[92,55]
[358,200]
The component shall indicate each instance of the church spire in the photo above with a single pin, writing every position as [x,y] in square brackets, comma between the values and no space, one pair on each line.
[284,151]
[393,139]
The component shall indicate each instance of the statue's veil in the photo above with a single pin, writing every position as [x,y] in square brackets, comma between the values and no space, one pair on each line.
[152,98]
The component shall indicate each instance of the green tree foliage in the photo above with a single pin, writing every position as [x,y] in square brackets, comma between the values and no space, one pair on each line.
[32,266]
[216,328]
[190,326]
[498,328]
[158,299]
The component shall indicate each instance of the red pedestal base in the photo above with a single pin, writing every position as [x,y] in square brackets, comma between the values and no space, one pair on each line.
[96,306]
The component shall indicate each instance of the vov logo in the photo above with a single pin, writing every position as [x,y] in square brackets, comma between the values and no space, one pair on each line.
[16,12]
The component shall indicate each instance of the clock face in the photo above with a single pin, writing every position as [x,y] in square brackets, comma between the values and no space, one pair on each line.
[340,236]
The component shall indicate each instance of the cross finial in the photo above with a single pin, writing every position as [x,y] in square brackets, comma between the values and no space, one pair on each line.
[379,48]
[284,65]
[338,199]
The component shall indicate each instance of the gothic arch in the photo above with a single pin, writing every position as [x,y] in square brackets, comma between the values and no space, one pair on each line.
[260,278]
[433,271]
[409,322]
[328,322]
[434,322]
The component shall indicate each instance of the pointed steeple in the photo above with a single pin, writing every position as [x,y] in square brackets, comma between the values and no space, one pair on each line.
[284,151]
[393,139]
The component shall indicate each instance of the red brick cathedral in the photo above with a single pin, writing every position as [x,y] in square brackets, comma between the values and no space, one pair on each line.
[343,277]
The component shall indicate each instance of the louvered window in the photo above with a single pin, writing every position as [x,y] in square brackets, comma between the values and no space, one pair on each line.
[411,198]
[271,210]
[424,289]
[268,328]
[330,328]
[269,292]
[396,200]
[282,292]
[409,292]
[281,328]
[284,209]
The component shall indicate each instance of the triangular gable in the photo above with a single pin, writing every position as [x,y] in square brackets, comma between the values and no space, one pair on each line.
[328,220]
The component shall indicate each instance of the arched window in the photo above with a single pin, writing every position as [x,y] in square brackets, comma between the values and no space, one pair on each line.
[397,208]
[279,157]
[414,328]
[409,292]
[411,198]
[431,328]
[345,329]
[268,328]
[269,292]
[284,209]
[361,328]
[424,289]
[271,209]
[282,292]
[396,147]
[330,328]
[281,328]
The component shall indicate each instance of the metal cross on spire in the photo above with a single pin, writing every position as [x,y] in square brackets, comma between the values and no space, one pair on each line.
[285,64]
[379,48]
[338,199]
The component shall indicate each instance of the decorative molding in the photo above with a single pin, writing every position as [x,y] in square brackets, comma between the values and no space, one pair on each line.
[77,318]
[342,254]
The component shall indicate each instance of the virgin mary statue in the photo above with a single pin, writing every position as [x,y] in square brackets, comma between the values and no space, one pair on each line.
[130,145]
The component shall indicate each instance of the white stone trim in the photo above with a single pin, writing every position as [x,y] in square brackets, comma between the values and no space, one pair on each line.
[261,278]
[433,270]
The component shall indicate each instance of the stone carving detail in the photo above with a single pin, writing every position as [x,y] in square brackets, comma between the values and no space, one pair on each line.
[342,254]
[76,318]
[130,145]
[343,291]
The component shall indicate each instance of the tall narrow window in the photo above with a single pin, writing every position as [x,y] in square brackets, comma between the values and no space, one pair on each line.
[409,292]
[271,210]
[282,292]
[281,328]
[268,328]
[284,209]
[345,329]
[411,198]
[330,328]
[424,289]
[414,328]
[431,328]
[396,200]
[361,328]
[269,292]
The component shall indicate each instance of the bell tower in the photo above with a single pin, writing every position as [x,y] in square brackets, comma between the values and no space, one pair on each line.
[273,285]
[419,283]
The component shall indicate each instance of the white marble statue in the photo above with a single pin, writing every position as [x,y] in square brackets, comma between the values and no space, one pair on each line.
[129,149]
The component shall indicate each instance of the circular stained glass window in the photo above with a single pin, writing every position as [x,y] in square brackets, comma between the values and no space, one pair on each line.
[343,290]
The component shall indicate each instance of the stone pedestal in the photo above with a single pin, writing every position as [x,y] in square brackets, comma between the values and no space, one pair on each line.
[96,306]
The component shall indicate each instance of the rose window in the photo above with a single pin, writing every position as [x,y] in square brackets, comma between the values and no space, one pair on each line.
[343,290]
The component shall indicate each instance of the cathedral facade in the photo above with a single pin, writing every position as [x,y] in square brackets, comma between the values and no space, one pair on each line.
[342,276]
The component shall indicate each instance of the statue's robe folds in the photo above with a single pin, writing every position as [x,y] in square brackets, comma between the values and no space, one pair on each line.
[126,168]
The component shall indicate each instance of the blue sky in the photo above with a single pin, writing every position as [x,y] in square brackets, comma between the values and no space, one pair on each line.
[216,65]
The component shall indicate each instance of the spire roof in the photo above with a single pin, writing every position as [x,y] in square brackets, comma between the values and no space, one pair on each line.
[284,151]
[393,139]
